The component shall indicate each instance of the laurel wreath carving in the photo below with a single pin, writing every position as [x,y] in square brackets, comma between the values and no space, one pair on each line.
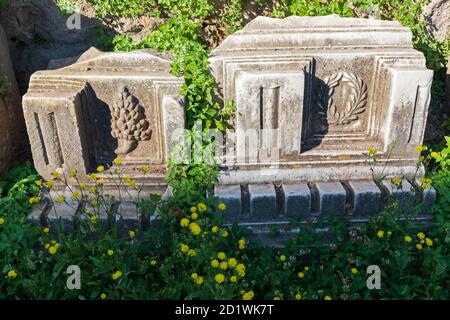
[355,103]
[129,124]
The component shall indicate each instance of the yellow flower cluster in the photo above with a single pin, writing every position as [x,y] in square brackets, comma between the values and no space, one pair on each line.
[53,248]
[195,228]
[198,279]
[12,274]
[301,274]
[372,150]
[202,207]
[425,183]
[421,148]
[116,275]
[248,295]
[242,244]
[34,200]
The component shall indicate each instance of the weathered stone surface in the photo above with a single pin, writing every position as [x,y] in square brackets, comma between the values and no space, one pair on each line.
[104,106]
[297,200]
[12,126]
[262,201]
[312,93]
[366,197]
[231,196]
[330,198]
[403,194]
[437,14]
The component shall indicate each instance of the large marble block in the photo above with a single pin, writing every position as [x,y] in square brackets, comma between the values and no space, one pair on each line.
[104,106]
[12,127]
[312,93]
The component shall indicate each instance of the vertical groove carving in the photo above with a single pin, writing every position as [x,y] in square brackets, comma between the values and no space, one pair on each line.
[57,144]
[41,138]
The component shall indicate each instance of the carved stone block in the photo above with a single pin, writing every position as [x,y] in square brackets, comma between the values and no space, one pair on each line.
[312,93]
[104,106]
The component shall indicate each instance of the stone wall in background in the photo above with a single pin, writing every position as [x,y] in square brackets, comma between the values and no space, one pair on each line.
[437,14]
[12,127]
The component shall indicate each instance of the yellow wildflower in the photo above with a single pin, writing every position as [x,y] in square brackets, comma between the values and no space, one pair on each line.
[282,258]
[132,234]
[215,263]
[277,298]
[408,239]
[73,173]
[327,298]
[193,209]
[222,206]
[221,255]
[224,234]
[100,168]
[116,275]
[202,207]
[240,268]
[76,195]
[242,244]
[435,154]
[145,169]
[199,280]
[110,252]
[220,278]
[38,183]
[53,249]
[194,276]
[184,222]
[372,150]
[419,246]
[301,275]
[49,184]
[248,295]
[117,161]
[421,235]
[132,184]
[429,242]
[298,296]
[396,181]
[153,263]
[214,229]
[93,219]
[12,274]
[55,174]
[93,176]
[184,248]
[223,265]
[94,203]
[380,234]
[103,296]
[46,230]
[191,253]
[233,279]
[60,199]
[354,270]
[194,216]
[82,186]
[195,228]
[232,262]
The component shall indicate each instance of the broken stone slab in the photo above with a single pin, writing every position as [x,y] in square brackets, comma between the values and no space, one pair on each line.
[230,195]
[331,198]
[104,106]
[404,195]
[334,86]
[263,203]
[12,126]
[365,197]
[297,200]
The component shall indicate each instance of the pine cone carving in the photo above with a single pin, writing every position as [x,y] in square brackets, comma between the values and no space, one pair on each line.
[129,125]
